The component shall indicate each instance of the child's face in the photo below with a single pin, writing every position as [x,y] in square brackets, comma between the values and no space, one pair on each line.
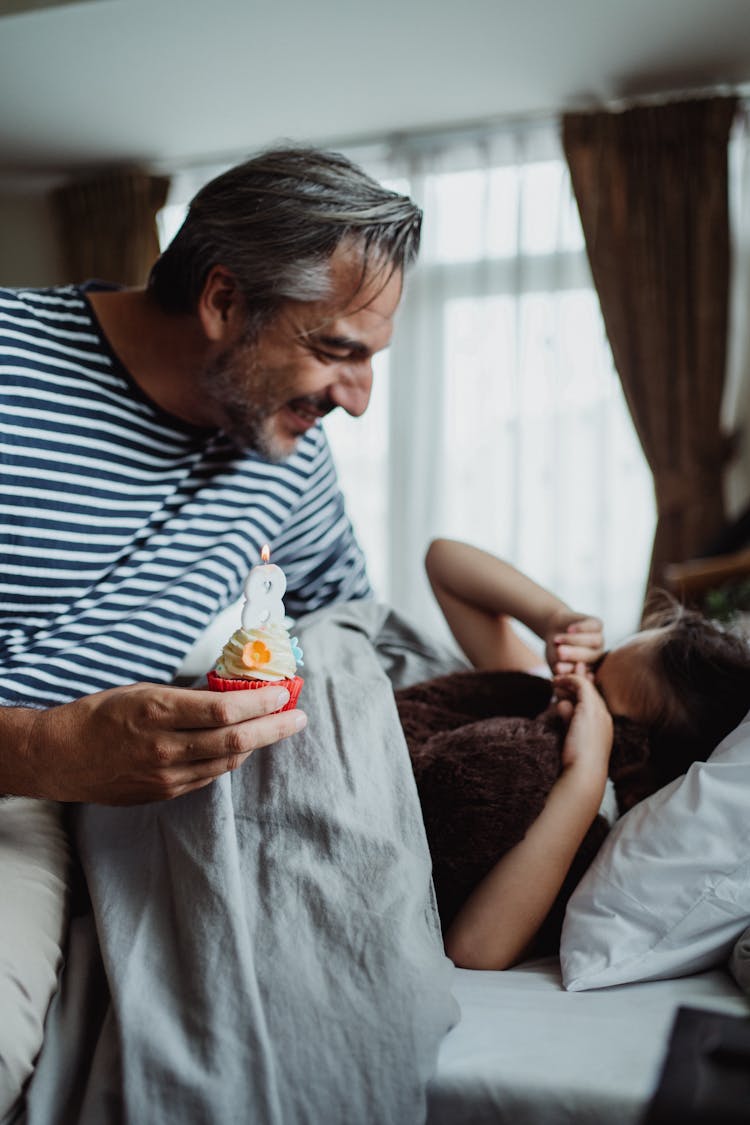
[625,678]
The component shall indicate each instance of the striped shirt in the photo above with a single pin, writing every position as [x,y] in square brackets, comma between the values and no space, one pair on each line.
[124,530]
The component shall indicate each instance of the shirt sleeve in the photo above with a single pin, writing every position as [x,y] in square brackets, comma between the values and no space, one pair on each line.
[317,546]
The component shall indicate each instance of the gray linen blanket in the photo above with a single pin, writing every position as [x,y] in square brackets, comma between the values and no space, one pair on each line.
[267,949]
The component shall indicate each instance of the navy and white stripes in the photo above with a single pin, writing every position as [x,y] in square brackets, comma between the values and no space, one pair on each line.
[124,530]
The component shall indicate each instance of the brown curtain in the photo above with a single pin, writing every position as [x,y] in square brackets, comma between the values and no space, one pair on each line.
[107,225]
[651,185]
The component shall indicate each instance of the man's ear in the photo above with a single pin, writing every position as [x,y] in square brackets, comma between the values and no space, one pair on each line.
[220,305]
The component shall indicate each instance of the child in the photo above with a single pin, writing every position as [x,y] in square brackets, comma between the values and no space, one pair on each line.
[682,677]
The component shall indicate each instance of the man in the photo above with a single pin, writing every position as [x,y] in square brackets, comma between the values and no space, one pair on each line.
[136,497]
[153,440]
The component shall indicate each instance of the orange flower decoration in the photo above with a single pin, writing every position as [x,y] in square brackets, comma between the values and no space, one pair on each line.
[255,654]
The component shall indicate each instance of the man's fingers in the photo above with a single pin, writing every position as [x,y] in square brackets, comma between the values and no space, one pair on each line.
[173,708]
[196,764]
[184,779]
[223,709]
[238,739]
[237,746]
[201,773]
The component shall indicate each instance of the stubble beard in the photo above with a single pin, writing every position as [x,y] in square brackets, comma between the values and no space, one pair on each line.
[246,402]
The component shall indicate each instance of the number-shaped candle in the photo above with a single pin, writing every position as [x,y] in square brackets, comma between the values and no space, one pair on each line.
[264,588]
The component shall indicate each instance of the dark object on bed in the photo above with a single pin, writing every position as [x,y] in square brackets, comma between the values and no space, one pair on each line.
[706,1075]
[485,757]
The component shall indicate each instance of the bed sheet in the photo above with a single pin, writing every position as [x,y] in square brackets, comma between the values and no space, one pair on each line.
[528,1053]
[266,949]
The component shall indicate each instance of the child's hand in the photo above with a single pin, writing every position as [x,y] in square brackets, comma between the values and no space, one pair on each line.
[572,639]
[588,742]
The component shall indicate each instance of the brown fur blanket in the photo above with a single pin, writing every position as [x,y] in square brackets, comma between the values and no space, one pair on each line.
[485,756]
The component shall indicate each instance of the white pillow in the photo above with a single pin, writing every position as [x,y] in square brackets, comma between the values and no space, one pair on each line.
[669,892]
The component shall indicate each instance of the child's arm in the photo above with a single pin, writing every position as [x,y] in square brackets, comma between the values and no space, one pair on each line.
[493,928]
[478,592]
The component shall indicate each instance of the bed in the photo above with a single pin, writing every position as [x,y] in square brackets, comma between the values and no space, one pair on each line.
[527,1052]
[268,949]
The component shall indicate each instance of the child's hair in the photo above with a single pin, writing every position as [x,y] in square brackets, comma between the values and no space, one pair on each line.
[704,675]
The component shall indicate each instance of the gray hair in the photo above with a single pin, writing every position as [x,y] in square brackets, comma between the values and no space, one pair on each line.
[274,222]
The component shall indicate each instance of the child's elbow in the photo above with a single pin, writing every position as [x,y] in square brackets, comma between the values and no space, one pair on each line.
[434,554]
[429,557]
[467,953]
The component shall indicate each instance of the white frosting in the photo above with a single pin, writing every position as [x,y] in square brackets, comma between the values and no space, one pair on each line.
[271,659]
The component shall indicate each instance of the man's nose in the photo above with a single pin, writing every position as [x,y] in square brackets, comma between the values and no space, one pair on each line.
[352,389]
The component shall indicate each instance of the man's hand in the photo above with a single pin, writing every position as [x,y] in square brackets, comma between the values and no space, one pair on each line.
[148,742]
[572,638]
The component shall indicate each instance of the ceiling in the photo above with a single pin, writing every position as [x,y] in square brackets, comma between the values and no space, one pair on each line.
[170,82]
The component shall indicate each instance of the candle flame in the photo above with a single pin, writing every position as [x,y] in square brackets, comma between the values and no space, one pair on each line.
[265,553]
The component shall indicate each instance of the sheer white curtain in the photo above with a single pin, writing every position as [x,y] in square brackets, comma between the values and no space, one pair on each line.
[499,417]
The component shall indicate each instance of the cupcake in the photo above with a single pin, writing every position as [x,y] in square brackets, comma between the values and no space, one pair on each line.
[261,652]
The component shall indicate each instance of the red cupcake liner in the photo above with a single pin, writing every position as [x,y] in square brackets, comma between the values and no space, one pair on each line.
[227,683]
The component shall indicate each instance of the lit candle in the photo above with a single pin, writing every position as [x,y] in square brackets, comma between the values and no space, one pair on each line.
[264,588]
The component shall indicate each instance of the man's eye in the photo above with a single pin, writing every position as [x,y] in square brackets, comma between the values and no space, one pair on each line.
[329,357]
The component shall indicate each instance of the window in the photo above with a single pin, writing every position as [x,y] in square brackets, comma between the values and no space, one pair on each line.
[503,421]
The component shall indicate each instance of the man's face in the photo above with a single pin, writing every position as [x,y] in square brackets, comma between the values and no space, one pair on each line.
[265,393]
